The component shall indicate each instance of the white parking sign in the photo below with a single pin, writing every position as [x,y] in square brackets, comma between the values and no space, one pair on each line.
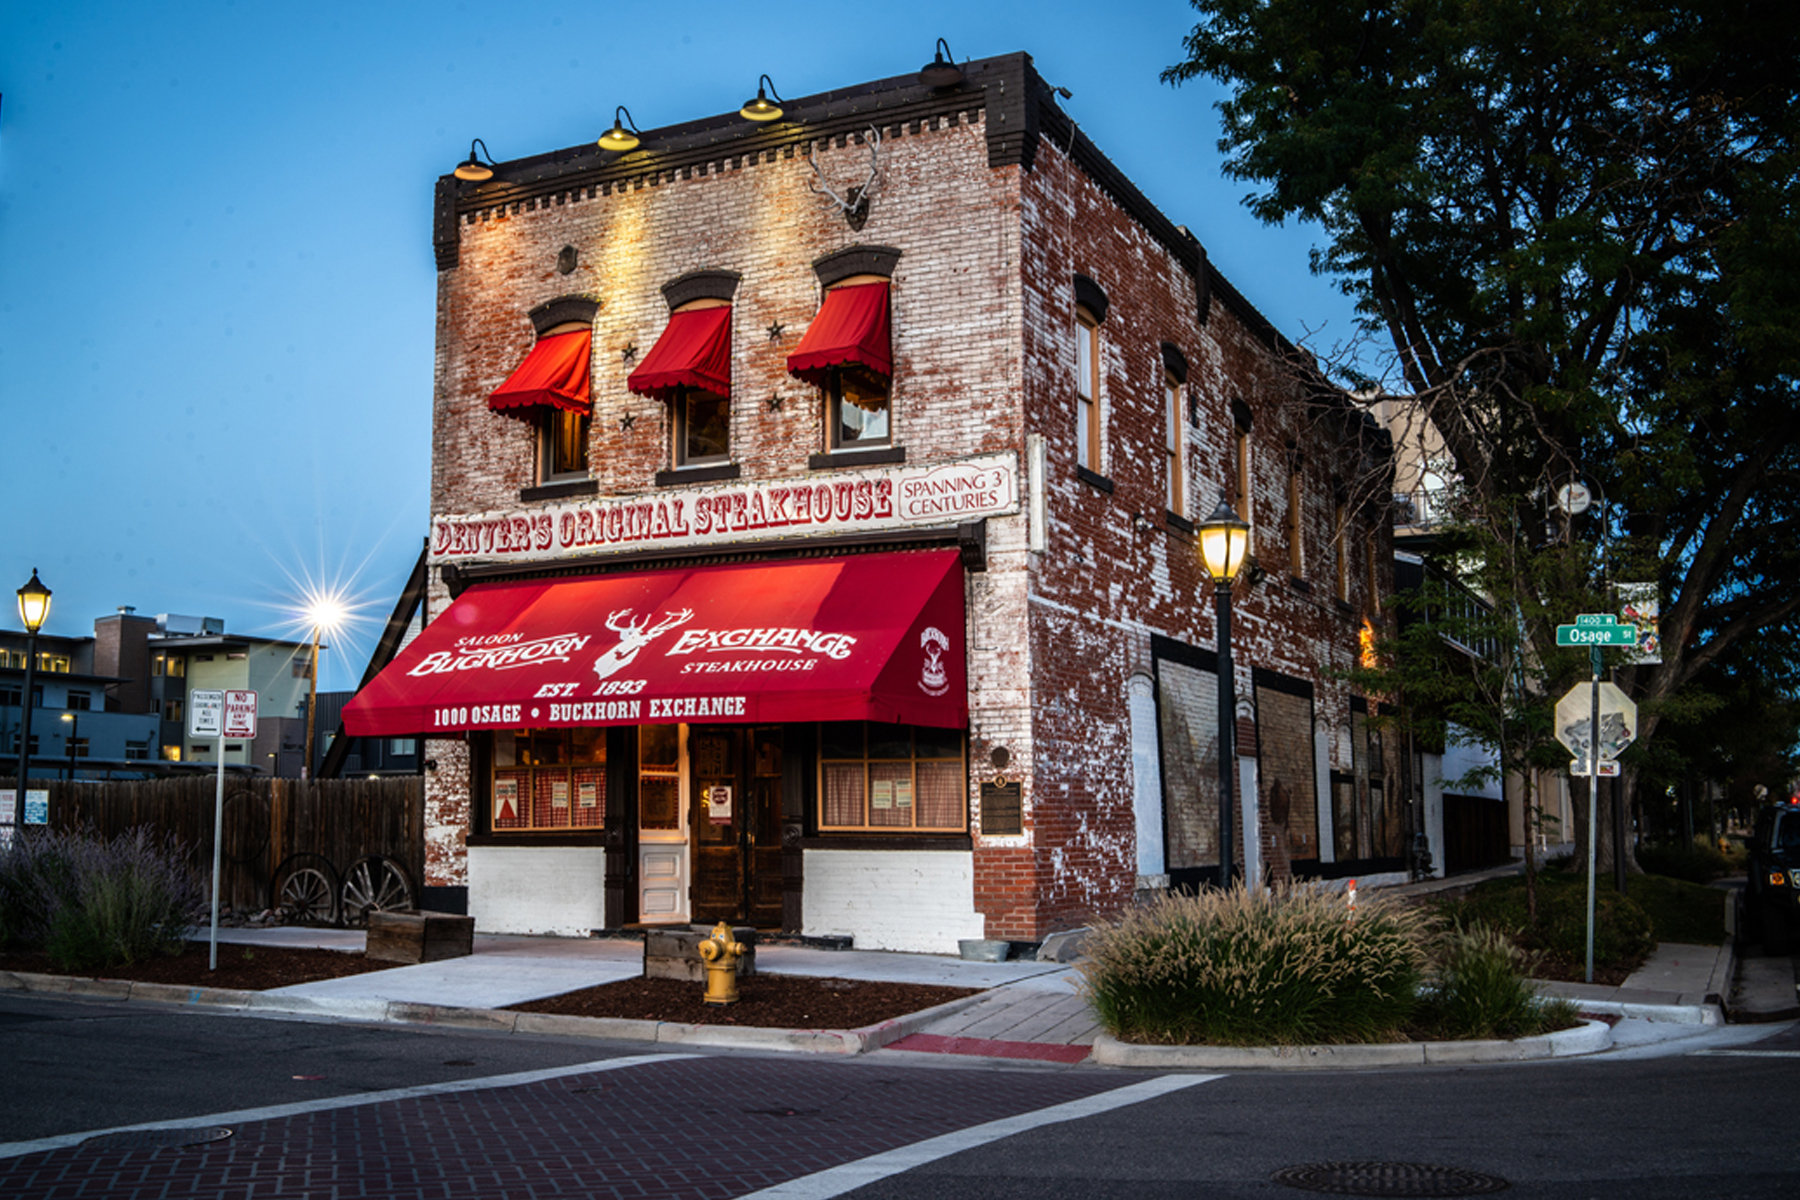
[206,713]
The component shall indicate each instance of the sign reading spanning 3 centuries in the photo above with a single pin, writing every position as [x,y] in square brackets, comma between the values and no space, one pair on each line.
[839,502]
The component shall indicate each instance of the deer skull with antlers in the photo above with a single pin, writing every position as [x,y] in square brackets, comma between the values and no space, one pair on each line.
[854,203]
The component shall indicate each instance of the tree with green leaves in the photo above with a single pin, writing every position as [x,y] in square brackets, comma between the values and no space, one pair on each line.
[1571,225]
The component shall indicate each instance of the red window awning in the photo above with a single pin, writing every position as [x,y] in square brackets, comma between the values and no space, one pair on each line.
[693,351]
[875,637]
[850,330]
[555,373]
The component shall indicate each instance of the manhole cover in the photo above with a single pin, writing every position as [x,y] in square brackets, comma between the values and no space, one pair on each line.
[156,1139]
[1388,1179]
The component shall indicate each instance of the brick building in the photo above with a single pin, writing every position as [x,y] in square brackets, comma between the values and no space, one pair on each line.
[864,447]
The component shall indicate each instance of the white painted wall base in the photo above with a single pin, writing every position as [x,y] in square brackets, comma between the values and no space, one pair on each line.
[917,900]
[537,889]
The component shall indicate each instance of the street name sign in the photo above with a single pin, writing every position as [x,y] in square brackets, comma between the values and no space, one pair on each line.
[1596,635]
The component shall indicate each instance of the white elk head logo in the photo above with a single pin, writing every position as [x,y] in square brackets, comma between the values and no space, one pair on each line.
[933,679]
[634,636]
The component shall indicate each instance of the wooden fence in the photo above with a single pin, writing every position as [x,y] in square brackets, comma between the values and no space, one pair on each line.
[267,823]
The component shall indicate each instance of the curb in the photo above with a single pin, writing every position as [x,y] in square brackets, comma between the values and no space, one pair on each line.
[1590,1037]
[499,1020]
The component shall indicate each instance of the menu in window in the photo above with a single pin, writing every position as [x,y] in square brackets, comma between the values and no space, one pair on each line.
[881,794]
[559,793]
[587,795]
[903,793]
[506,799]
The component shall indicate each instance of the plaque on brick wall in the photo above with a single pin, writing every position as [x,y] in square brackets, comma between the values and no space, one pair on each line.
[1001,812]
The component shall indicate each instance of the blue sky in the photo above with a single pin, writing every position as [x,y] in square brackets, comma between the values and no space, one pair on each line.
[216,276]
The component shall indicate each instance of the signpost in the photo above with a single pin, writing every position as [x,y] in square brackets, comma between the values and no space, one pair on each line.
[1611,725]
[220,714]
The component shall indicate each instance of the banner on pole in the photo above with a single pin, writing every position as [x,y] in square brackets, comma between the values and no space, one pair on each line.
[1640,604]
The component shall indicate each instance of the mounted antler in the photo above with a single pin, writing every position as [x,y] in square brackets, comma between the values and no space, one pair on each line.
[854,204]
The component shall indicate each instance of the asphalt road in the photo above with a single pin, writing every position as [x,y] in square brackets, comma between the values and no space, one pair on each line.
[600,1119]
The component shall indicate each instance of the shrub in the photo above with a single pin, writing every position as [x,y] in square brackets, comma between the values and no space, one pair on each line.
[1289,966]
[1623,935]
[1694,862]
[1483,990]
[93,903]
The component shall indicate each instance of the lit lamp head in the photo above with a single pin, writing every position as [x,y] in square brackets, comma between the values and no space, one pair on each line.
[623,135]
[474,170]
[762,108]
[34,603]
[1224,540]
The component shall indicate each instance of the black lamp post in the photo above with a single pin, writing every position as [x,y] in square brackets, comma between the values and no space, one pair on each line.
[34,610]
[1224,539]
[74,729]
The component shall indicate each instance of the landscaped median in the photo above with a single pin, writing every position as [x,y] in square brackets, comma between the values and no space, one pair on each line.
[1590,1037]
[496,1020]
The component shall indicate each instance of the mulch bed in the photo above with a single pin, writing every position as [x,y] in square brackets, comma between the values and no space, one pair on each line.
[765,1001]
[768,1001]
[248,968]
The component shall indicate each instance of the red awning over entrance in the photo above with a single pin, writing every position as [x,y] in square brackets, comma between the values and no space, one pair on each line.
[850,330]
[555,373]
[693,351]
[875,637]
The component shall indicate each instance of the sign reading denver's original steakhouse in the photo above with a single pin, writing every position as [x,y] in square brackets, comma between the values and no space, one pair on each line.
[838,502]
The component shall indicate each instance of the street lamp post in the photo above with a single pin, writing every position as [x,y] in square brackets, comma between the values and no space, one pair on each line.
[74,730]
[1224,538]
[34,610]
[325,611]
[312,704]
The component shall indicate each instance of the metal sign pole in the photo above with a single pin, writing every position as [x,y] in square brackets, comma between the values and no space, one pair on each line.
[212,960]
[1593,790]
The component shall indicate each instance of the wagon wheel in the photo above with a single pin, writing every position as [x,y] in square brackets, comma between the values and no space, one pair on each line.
[375,884]
[306,890]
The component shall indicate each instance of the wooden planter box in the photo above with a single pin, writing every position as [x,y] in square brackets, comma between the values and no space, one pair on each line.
[675,953]
[417,937]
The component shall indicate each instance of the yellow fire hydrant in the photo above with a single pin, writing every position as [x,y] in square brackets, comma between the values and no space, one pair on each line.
[721,956]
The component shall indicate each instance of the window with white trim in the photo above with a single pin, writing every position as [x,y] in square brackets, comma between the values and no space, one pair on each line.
[1087,389]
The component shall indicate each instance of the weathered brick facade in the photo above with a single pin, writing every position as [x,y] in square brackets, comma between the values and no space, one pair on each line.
[995,203]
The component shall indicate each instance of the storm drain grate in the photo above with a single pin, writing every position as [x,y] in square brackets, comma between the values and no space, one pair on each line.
[1388,1179]
[157,1139]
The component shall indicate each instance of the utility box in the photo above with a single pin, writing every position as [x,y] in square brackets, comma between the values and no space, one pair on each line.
[674,953]
[416,937]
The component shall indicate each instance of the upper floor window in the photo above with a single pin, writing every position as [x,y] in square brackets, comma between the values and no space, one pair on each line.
[1238,463]
[1087,390]
[80,701]
[1295,522]
[1340,550]
[552,389]
[1173,439]
[690,369]
[847,354]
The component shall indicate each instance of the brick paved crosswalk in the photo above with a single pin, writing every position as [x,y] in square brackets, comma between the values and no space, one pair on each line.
[688,1127]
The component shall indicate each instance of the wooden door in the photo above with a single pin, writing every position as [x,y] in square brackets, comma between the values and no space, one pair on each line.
[716,783]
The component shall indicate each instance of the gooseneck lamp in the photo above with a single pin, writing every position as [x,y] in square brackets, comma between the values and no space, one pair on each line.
[941,71]
[623,135]
[474,170]
[762,108]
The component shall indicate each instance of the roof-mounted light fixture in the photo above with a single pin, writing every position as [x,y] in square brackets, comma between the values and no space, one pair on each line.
[476,171]
[623,135]
[941,71]
[762,108]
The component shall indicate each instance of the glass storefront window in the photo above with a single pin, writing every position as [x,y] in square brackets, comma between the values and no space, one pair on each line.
[891,778]
[548,779]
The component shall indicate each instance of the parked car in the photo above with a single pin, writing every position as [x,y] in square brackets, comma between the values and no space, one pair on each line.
[1772,891]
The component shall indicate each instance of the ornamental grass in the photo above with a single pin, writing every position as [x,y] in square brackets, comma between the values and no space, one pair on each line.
[1481,989]
[1291,965]
[92,902]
